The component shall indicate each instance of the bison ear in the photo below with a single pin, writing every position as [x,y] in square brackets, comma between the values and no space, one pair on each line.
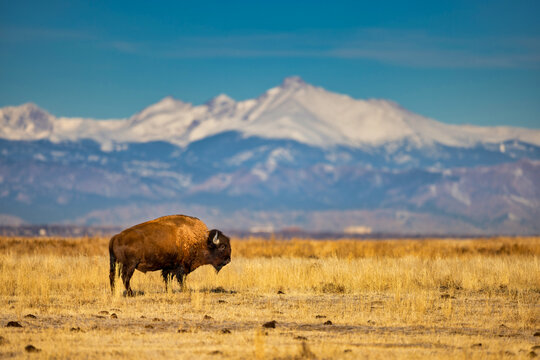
[213,237]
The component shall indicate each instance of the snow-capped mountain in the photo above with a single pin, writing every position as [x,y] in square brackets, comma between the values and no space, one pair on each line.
[297,155]
[294,110]
[25,122]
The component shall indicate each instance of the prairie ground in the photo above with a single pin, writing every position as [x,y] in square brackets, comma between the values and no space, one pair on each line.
[431,298]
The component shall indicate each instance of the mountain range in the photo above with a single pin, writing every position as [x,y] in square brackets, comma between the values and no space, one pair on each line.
[296,156]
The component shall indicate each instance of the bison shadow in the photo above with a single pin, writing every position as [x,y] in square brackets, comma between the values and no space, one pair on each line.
[215,290]
[220,290]
[133,293]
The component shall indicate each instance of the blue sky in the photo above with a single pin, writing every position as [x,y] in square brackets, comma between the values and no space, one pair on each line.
[473,62]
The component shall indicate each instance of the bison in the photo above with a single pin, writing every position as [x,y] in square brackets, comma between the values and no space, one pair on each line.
[175,244]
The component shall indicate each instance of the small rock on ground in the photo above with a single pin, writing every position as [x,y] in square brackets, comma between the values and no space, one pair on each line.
[270,324]
[31,348]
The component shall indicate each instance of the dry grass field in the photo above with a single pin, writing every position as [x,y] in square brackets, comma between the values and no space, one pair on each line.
[391,299]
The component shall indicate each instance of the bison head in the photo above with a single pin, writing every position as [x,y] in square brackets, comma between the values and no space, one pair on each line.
[219,247]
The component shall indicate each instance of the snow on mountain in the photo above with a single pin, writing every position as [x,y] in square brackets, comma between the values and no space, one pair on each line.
[25,122]
[294,110]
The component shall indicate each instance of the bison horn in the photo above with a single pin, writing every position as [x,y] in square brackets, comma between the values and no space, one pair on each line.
[215,240]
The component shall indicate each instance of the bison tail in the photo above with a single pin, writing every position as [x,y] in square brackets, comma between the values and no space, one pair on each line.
[112,273]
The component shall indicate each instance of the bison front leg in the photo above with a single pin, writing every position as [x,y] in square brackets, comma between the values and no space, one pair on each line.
[167,276]
[180,276]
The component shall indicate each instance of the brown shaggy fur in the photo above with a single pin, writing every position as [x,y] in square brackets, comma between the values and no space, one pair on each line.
[175,244]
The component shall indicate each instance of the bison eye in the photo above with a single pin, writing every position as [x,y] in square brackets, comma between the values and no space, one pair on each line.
[221,247]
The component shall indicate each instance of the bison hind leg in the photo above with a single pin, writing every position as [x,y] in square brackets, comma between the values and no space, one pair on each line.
[112,273]
[127,273]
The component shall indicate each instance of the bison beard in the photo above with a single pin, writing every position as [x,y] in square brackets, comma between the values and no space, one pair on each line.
[175,244]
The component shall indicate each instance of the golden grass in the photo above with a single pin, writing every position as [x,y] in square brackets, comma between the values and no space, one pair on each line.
[307,248]
[436,298]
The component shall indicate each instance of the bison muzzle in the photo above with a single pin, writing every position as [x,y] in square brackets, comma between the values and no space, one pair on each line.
[175,244]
